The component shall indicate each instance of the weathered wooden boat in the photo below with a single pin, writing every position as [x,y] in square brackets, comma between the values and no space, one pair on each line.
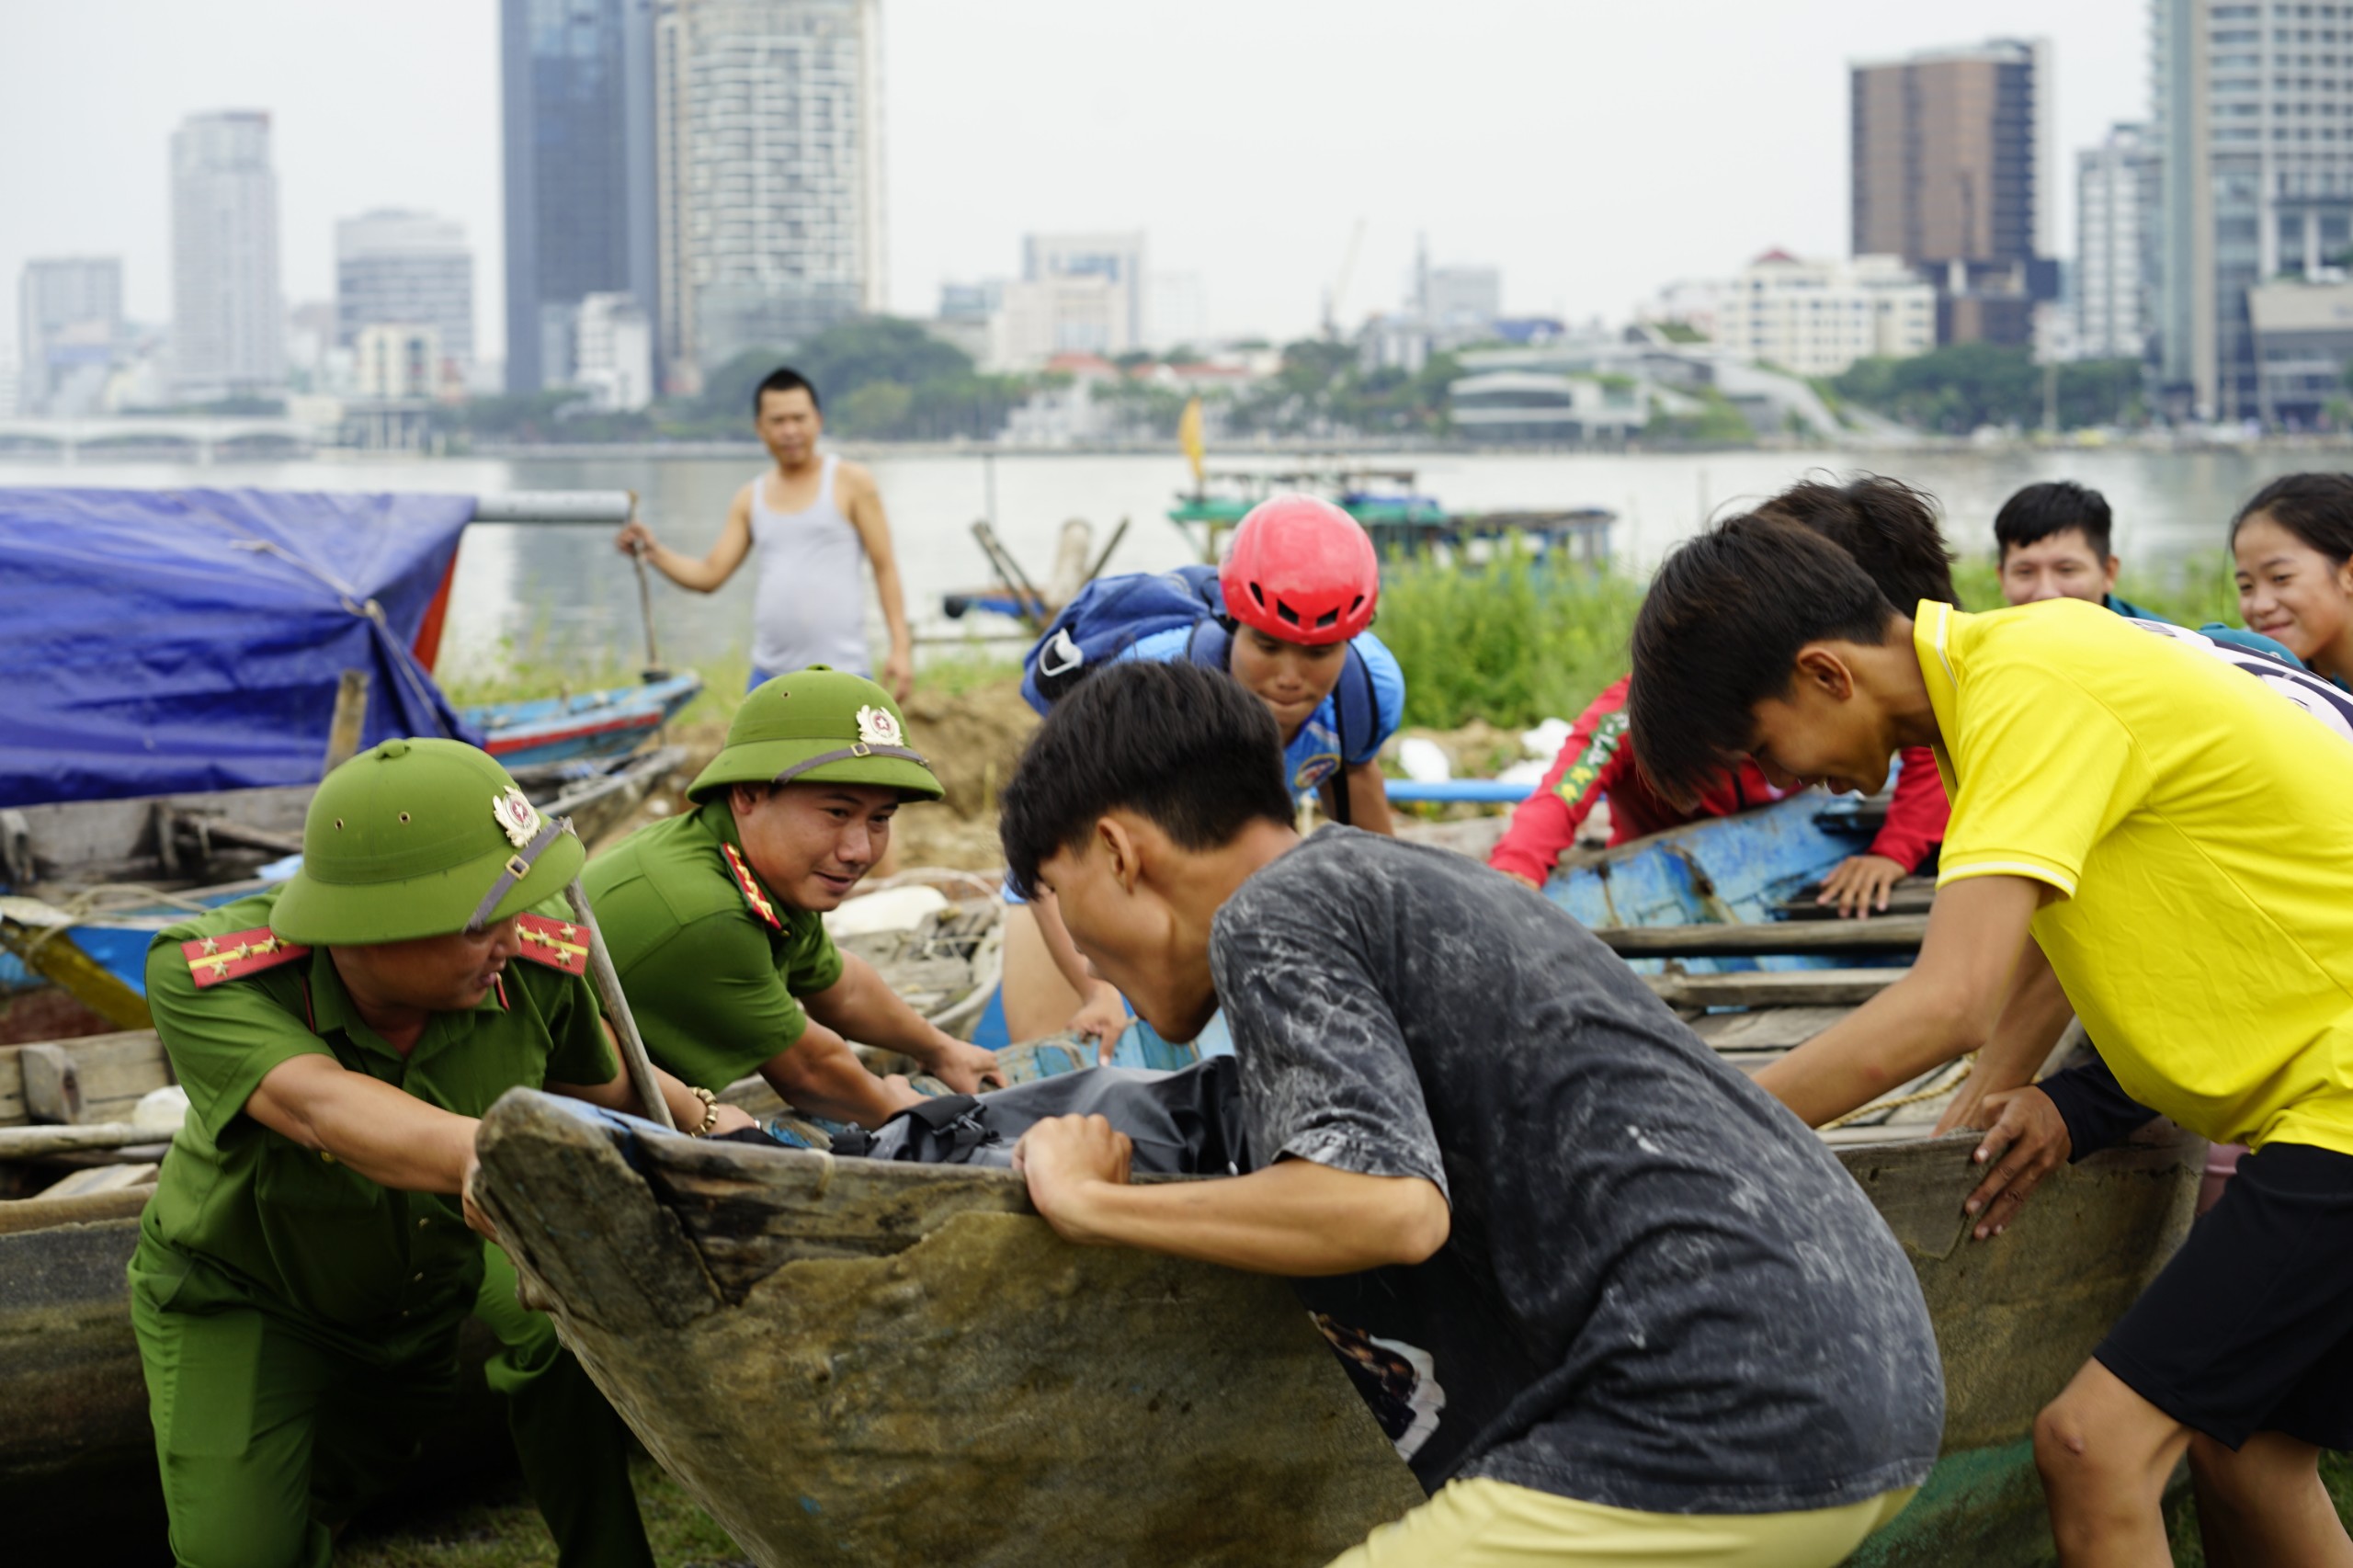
[936,935]
[852,1361]
[846,1360]
[88,873]
[573,726]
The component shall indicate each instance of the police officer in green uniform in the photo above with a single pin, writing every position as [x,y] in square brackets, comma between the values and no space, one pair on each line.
[712,916]
[306,1261]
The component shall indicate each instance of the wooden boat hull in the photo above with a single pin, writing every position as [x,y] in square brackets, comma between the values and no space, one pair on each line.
[848,1361]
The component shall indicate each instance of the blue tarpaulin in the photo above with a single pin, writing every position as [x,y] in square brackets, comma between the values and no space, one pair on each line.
[160,642]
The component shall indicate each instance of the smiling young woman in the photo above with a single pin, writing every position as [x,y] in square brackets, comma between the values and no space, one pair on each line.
[2293,547]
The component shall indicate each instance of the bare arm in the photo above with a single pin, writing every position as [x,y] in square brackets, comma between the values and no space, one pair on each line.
[863,1005]
[1368,797]
[1294,1218]
[2037,1015]
[1946,1005]
[865,509]
[821,1074]
[708,574]
[392,1138]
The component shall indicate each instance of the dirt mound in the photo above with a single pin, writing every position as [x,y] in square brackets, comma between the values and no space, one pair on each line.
[972,739]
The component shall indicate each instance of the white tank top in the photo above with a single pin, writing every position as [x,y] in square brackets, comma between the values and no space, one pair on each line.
[809,596]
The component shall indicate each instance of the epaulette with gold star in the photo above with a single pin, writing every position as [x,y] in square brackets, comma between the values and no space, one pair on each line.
[558,944]
[750,887]
[212,960]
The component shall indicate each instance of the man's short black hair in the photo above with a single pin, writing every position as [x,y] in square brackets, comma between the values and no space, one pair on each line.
[784,379]
[1719,632]
[2316,508]
[1186,748]
[2038,511]
[1887,526]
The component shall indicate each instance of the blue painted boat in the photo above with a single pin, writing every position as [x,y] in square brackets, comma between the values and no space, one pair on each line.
[612,722]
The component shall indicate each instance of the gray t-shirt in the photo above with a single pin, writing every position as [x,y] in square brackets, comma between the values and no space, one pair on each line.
[1661,1292]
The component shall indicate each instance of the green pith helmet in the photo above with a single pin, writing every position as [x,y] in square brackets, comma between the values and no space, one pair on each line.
[818,726]
[420,838]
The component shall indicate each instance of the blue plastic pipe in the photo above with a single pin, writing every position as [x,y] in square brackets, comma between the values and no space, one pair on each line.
[1479,791]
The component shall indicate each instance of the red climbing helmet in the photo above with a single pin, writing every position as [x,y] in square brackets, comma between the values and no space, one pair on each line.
[1301,570]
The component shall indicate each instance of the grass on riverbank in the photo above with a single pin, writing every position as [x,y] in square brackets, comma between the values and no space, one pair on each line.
[1510,643]
[1513,643]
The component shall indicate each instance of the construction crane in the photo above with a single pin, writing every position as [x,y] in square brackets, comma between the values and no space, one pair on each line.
[1339,286]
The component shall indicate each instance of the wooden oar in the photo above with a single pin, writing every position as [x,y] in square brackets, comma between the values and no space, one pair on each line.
[654,669]
[607,981]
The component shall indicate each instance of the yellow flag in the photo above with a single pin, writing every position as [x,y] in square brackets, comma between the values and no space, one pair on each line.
[1188,436]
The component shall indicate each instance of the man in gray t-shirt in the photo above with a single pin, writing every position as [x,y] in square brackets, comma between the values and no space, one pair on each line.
[1580,1268]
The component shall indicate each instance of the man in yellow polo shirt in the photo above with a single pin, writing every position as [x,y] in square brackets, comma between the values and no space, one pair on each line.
[2173,835]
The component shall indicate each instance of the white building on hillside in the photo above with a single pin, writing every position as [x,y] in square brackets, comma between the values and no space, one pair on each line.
[1818,317]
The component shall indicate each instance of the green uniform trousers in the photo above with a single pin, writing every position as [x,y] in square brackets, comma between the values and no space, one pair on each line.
[268,1438]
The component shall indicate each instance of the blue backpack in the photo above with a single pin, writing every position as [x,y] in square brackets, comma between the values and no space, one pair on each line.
[1112,614]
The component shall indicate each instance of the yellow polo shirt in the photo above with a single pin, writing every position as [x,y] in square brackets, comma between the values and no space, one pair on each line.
[2200,826]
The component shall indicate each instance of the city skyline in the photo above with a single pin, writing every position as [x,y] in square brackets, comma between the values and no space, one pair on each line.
[1083,121]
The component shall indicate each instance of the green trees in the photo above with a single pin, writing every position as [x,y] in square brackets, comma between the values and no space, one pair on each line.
[880,377]
[1321,388]
[1955,389]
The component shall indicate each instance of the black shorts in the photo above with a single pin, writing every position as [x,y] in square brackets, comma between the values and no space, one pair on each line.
[2250,1327]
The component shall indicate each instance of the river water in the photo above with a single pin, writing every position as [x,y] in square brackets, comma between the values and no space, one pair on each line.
[563,596]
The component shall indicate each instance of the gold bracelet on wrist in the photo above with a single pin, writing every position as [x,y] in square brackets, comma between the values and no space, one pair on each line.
[709,1111]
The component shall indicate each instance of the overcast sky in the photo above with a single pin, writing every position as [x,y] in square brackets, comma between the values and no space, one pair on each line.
[1593,151]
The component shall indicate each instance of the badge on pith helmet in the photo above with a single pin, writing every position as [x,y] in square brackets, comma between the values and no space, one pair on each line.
[818,726]
[420,838]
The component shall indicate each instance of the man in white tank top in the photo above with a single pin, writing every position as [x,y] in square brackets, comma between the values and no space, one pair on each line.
[817,520]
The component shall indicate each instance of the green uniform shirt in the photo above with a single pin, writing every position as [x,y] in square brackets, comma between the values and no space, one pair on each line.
[712,962]
[246,1216]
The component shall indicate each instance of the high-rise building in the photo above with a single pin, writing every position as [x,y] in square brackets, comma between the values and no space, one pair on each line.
[1952,172]
[1460,305]
[768,145]
[2255,130]
[228,324]
[578,90]
[68,324]
[398,268]
[1818,317]
[397,362]
[616,351]
[2116,190]
[1117,258]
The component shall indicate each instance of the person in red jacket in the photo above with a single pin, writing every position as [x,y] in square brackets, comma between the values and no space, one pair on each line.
[1598,761]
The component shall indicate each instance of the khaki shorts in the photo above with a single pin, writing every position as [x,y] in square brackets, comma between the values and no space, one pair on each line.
[1491,1524]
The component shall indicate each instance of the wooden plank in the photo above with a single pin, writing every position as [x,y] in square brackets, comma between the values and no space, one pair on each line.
[93,1179]
[115,1070]
[1774,988]
[1913,895]
[37,1143]
[1888,934]
[1767,1029]
[52,1085]
[41,1213]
